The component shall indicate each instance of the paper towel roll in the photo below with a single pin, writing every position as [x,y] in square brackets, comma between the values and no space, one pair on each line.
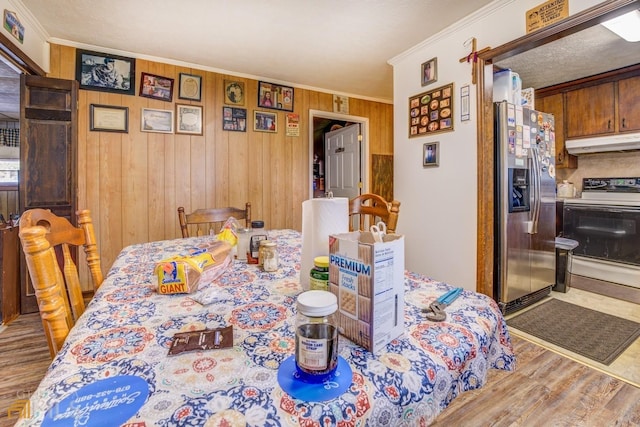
[320,218]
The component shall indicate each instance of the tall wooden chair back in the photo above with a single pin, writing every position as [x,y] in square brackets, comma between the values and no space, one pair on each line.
[369,209]
[46,239]
[209,221]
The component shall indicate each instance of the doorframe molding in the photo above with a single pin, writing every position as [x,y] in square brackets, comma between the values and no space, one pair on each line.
[485,260]
[364,147]
[18,58]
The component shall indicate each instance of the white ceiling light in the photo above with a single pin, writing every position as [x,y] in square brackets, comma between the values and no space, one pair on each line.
[626,26]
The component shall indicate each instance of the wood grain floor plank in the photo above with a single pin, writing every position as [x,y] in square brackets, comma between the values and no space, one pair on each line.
[24,357]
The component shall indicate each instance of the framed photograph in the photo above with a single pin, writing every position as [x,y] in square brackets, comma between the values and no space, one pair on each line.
[156,120]
[156,87]
[234,119]
[431,111]
[233,92]
[430,154]
[430,71]
[108,118]
[190,87]
[189,119]
[105,72]
[264,121]
[278,97]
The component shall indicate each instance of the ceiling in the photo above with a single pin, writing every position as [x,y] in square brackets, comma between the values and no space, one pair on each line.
[332,45]
[336,45]
[585,53]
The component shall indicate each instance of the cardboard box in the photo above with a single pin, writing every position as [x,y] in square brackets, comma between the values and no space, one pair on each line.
[368,279]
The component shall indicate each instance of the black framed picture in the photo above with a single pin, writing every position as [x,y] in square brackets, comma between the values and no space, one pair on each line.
[190,87]
[156,87]
[234,119]
[105,72]
[275,96]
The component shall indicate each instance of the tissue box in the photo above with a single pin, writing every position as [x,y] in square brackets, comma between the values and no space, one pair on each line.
[182,274]
[368,279]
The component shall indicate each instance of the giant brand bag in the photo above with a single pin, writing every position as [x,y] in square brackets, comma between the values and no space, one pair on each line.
[368,279]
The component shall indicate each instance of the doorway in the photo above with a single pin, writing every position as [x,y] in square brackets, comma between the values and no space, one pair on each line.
[320,123]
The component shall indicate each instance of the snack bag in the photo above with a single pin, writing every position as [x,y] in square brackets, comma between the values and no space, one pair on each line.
[228,232]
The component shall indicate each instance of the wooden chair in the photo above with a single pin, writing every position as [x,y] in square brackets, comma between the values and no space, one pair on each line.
[208,221]
[45,238]
[369,209]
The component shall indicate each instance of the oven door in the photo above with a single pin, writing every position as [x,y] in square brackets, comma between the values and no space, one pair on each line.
[604,232]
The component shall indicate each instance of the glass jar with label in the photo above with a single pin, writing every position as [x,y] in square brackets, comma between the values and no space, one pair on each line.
[319,275]
[269,254]
[258,234]
[316,349]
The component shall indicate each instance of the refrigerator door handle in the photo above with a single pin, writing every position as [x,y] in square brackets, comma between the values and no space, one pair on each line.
[535,180]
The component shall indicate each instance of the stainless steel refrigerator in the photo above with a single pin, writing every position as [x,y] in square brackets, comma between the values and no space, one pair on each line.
[525,207]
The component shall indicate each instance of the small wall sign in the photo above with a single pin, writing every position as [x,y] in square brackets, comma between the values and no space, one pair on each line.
[546,14]
[13,25]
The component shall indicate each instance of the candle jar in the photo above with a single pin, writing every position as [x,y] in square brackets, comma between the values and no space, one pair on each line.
[269,255]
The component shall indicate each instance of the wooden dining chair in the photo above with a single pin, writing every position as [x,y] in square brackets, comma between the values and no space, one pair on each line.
[46,239]
[209,221]
[369,209]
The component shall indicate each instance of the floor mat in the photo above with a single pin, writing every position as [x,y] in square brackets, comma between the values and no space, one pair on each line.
[590,333]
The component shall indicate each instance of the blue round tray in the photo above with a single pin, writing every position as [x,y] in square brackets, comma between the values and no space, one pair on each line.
[311,388]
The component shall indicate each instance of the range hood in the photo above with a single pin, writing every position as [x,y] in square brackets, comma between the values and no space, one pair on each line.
[619,142]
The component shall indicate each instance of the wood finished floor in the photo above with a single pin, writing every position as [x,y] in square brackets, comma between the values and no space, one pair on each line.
[545,390]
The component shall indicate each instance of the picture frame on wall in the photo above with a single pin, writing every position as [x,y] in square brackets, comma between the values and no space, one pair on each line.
[275,96]
[189,119]
[152,120]
[264,121]
[190,87]
[233,92]
[430,71]
[430,154]
[108,118]
[105,72]
[156,87]
[431,111]
[234,119]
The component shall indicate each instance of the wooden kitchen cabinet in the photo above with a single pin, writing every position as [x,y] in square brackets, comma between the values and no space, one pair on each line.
[629,104]
[554,104]
[590,111]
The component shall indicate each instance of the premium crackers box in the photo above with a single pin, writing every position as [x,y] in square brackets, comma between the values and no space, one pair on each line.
[368,279]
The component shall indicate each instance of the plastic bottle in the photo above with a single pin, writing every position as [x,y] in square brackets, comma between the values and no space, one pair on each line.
[320,274]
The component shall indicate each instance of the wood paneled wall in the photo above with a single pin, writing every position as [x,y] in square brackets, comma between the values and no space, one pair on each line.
[134,182]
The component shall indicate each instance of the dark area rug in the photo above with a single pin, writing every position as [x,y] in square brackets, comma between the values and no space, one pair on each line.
[590,333]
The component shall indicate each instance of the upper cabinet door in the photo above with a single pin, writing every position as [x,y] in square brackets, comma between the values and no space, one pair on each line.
[591,111]
[629,104]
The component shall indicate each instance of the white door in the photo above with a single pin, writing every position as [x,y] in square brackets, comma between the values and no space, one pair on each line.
[342,161]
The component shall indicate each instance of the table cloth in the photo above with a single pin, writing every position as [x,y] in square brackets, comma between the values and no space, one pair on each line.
[128,327]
